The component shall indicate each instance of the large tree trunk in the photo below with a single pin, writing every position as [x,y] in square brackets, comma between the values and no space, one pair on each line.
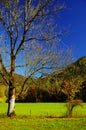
[11,94]
[11,102]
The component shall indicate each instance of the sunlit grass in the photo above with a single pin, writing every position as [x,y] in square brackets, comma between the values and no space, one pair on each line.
[42,116]
[42,109]
[37,109]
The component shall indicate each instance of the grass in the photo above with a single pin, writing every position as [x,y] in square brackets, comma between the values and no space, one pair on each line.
[36,109]
[37,116]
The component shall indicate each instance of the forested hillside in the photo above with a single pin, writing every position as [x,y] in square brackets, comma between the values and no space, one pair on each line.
[50,88]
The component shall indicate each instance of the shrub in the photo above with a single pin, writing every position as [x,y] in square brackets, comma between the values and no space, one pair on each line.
[71,105]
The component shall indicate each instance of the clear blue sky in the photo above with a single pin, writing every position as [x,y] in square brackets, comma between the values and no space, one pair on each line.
[74,18]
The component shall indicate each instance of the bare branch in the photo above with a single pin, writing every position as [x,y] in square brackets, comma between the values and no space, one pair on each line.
[4,78]
[3,70]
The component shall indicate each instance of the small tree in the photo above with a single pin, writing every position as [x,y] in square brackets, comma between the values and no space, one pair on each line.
[70,88]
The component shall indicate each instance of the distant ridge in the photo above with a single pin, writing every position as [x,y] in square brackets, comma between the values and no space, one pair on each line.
[74,70]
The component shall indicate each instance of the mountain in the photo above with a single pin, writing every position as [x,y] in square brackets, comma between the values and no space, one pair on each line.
[46,89]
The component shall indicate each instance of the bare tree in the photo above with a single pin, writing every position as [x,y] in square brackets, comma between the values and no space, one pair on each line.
[29,41]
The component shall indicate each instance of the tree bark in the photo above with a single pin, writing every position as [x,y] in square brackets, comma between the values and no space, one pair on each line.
[11,102]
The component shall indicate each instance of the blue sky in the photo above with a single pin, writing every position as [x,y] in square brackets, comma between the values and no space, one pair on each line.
[74,18]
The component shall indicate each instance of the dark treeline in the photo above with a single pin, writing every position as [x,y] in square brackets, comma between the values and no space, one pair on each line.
[35,94]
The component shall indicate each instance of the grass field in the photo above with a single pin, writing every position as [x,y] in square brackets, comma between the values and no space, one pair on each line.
[42,116]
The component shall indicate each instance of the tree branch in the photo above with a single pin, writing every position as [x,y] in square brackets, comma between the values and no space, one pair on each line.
[3,71]
[40,39]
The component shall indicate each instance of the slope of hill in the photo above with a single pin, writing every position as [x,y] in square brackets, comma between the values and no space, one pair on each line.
[74,70]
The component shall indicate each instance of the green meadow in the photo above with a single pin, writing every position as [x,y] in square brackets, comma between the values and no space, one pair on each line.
[42,116]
